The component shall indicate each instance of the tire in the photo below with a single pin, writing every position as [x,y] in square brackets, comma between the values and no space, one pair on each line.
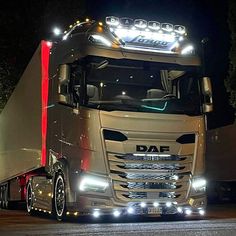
[59,199]
[29,198]
[5,197]
[1,197]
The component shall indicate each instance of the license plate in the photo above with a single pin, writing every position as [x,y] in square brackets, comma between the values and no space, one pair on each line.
[153,210]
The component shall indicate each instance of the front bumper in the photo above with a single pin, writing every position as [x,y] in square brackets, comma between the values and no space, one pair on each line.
[89,205]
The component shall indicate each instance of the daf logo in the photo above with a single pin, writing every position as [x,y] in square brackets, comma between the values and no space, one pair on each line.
[152,148]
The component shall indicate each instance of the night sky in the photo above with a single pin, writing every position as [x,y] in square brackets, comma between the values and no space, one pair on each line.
[24,23]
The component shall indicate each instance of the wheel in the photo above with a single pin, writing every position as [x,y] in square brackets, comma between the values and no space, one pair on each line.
[5,197]
[29,198]
[1,197]
[59,198]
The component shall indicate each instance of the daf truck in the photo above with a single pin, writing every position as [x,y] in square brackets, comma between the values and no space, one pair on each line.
[108,120]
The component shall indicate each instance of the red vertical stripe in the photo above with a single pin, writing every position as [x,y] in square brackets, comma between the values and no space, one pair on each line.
[45,52]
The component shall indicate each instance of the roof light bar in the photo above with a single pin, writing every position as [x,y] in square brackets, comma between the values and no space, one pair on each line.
[154,25]
[180,29]
[112,20]
[167,27]
[143,24]
[139,23]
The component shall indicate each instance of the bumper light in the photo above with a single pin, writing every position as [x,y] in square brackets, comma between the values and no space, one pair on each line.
[93,183]
[201,212]
[130,210]
[188,212]
[179,209]
[96,214]
[116,213]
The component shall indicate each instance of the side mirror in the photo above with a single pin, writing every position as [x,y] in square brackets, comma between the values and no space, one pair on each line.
[207,93]
[63,83]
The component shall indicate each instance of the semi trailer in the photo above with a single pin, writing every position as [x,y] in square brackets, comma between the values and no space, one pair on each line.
[220,160]
[108,120]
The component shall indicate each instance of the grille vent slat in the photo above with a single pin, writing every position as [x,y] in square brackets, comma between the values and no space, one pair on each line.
[146,176]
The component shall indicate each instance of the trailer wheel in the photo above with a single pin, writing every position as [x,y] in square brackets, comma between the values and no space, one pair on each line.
[29,198]
[59,197]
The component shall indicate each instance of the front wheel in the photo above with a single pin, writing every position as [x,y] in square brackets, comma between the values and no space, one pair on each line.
[29,198]
[59,199]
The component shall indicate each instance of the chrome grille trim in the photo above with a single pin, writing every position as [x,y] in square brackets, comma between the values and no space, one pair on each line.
[145,177]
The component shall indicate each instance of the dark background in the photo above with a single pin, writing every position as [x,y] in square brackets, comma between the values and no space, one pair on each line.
[24,23]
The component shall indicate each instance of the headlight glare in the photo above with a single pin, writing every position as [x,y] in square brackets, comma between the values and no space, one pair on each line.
[93,183]
[198,184]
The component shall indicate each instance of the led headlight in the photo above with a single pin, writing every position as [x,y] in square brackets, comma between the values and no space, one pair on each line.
[199,184]
[93,183]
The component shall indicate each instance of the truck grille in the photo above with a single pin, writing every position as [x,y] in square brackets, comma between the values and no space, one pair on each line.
[138,177]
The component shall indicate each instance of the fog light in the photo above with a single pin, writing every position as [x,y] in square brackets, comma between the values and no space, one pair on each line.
[116,213]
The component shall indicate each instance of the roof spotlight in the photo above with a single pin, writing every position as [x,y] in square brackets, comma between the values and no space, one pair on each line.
[57,31]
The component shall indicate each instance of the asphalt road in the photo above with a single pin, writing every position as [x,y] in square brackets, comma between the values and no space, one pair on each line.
[220,220]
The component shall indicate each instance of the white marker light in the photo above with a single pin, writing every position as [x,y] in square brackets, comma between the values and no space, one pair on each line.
[116,213]
[202,212]
[187,50]
[130,210]
[179,209]
[155,204]
[96,214]
[57,31]
[168,204]
[188,212]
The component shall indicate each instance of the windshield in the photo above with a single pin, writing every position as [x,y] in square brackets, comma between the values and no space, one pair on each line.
[143,89]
